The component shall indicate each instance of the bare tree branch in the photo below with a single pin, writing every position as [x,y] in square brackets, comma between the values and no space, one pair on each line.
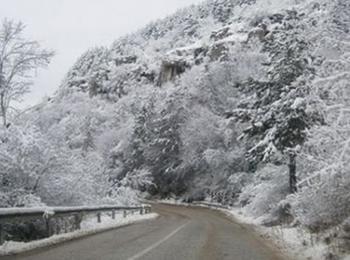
[19,58]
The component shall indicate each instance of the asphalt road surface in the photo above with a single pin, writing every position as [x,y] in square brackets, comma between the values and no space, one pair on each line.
[180,233]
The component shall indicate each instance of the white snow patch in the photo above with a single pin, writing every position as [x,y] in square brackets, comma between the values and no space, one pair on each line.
[298,103]
[295,242]
[234,38]
[191,47]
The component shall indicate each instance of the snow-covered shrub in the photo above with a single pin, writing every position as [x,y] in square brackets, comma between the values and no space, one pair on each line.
[26,158]
[138,180]
[30,200]
[346,225]
[262,198]
[4,200]
[125,196]
[325,204]
[226,183]
[237,181]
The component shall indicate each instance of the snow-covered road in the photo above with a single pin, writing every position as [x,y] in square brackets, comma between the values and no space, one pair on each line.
[179,233]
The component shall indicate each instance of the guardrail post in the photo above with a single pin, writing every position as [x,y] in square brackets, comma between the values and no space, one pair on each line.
[99,217]
[65,226]
[141,211]
[48,226]
[77,221]
[113,214]
[2,234]
[124,214]
[58,226]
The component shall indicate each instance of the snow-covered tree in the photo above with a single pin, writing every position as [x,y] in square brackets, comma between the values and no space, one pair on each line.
[278,109]
[26,159]
[19,58]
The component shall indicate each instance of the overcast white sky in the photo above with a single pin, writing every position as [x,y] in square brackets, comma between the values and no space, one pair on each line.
[72,26]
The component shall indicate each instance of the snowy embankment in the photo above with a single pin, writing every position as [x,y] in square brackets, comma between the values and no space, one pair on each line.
[89,226]
[294,242]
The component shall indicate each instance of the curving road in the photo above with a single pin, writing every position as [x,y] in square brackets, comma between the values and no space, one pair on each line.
[180,233]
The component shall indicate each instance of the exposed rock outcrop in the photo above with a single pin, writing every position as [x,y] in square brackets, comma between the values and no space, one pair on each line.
[170,69]
[219,51]
[260,32]
[125,60]
[221,34]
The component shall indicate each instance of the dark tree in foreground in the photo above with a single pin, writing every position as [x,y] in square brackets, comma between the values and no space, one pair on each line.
[19,58]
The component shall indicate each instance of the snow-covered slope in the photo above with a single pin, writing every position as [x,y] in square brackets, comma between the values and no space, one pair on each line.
[207,103]
[197,34]
[193,35]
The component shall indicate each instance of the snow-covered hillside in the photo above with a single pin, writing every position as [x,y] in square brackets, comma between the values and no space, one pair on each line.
[236,101]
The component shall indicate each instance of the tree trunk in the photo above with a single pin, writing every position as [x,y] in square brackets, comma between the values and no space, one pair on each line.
[2,101]
[292,173]
[3,110]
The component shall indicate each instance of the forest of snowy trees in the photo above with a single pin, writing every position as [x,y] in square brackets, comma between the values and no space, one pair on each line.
[242,102]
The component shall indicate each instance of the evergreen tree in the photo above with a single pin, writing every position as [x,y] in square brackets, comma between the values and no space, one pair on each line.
[278,110]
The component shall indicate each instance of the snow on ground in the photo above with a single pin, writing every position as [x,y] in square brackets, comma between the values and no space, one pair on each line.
[172,201]
[295,242]
[89,226]
[288,240]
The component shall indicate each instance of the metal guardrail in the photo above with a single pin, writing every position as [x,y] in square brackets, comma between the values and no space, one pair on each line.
[13,215]
[211,205]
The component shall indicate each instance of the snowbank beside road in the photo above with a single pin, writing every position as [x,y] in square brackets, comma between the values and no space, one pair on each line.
[295,242]
[88,227]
